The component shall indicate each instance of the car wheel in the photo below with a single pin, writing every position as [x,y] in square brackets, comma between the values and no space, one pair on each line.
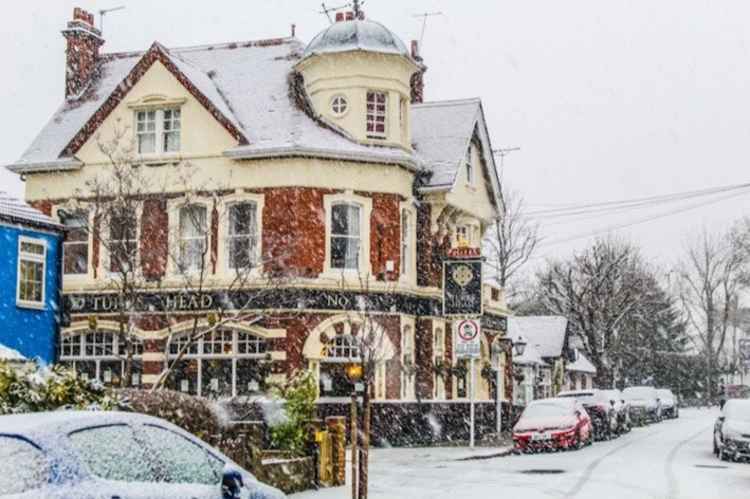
[723,455]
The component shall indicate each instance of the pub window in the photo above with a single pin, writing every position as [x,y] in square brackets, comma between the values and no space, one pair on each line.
[102,356]
[193,235]
[31,270]
[345,236]
[340,351]
[377,105]
[123,239]
[76,244]
[242,238]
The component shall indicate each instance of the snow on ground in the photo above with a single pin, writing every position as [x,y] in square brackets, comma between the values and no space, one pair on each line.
[671,460]
[7,353]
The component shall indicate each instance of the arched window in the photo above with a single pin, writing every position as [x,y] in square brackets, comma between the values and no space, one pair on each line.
[224,362]
[340,350]
[345,236]
[102,355]
[193,237]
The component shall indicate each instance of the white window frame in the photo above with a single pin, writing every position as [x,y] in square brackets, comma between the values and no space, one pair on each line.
[365,204]
[406,243]
[33,258]
[87,242]
[408,353]
[205,237]
[470,173]
[105,233]
[254,236]
[159,130]
[223,247]
[337,101]
[376,114]
[438,353]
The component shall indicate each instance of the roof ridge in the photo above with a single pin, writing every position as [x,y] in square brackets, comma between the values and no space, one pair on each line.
[261,42]
[449,102]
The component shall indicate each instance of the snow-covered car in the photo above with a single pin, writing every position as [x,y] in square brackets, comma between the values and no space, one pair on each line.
[600,408]
[669,407]
[732,430]
[622,409]
[552,424]
[106,455]
[644,404]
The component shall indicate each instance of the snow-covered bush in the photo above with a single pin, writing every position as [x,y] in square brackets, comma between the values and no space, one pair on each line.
[33,388]
[298,395]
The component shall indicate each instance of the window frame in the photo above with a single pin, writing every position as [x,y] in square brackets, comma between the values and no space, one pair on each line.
[79,214]
[206,237]
[372,117]
[105,232]
[365,263]
[469,161]
[406,243]
[36,259]
[160,131]
[338,100]
[254,235]
[347,236]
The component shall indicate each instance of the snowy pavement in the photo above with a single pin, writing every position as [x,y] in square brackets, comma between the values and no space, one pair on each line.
[671,460]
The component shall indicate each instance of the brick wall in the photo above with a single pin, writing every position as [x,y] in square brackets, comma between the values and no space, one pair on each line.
[425,373]
[385,235]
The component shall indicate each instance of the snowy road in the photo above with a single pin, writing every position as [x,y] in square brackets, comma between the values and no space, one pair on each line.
[671,460]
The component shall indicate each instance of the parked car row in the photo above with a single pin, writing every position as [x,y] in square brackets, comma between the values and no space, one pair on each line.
[732,431]
[579,417]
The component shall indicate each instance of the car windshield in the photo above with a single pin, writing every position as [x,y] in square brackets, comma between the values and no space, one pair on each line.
[638,393]
[738,410]
[546,410]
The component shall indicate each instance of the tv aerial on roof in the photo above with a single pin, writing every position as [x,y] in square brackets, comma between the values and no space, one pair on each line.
[104,12]
[356,6]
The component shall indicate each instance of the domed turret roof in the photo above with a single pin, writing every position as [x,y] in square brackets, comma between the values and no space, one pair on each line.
[365,35]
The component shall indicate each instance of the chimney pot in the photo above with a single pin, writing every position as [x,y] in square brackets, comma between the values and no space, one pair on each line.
[350,16]
[415,49]
[339,17]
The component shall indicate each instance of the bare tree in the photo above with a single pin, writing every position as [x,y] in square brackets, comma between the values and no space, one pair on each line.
[512,239]
[597,291]
[710,278]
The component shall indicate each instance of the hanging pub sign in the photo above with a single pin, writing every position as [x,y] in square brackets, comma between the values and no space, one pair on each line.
[462,287]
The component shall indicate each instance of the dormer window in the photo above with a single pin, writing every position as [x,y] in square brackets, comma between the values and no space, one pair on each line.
[377,105]
[469,168]
[339,105]
[158,130]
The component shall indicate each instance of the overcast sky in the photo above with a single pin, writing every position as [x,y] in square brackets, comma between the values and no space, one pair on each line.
[608,100]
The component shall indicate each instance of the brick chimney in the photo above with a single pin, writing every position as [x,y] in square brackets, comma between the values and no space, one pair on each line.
[417,79]
[82,53]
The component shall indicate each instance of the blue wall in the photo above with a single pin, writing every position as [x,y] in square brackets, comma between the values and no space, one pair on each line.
[30,331]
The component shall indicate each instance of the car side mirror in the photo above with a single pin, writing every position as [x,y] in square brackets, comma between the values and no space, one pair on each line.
[231,483]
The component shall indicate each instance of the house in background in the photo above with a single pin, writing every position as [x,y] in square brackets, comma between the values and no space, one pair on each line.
[30,244]
[550,364]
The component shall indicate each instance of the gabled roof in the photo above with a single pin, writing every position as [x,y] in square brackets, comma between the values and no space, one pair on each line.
[17,211]
[582,364]
[530,357]
[442,133]
[545,332]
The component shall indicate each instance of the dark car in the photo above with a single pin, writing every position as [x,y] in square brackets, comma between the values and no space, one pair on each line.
[106,455]
[600,408]
[552,424]
[732,430]
[645,406]
[669,406]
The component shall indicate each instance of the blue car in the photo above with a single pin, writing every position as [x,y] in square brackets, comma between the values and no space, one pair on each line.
[114,455]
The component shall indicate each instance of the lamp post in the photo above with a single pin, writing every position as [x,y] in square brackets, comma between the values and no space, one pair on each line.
[354,373]
[519,346]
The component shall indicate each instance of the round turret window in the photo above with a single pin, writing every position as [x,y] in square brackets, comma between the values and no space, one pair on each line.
[339,105]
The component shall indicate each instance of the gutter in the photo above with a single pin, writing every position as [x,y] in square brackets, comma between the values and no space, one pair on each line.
[65,164]
[313,152]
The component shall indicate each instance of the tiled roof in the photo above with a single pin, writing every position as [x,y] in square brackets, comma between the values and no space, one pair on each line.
[18,211]
[545,333]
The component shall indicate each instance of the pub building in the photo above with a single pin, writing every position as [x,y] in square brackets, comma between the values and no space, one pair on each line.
[333,159]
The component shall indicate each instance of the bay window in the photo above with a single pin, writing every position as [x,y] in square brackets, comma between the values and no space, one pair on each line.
[193,237]
[377,105]
[242,237]
[405,242]
[31,267]
[345,236]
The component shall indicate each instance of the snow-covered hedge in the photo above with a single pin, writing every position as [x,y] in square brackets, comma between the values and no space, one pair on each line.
[31,387]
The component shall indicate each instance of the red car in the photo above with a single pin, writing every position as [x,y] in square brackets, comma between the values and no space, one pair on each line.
[553,424]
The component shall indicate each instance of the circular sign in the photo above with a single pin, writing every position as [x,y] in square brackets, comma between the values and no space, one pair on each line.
[468,330]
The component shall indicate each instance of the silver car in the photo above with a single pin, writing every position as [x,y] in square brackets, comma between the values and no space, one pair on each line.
[108,455]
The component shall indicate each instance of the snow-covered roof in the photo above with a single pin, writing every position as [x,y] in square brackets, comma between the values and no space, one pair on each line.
[247,86]
[582,364]
[7,353]
[545,332]
[18,211]
[364,35]
[530,357]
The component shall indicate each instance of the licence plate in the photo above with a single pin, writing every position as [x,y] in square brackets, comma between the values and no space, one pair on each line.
[541,436]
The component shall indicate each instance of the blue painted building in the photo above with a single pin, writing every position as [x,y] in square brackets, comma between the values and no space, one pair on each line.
[30,247]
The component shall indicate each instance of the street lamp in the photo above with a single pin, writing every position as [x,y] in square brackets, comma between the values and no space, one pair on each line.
[519,345]
[354,373]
